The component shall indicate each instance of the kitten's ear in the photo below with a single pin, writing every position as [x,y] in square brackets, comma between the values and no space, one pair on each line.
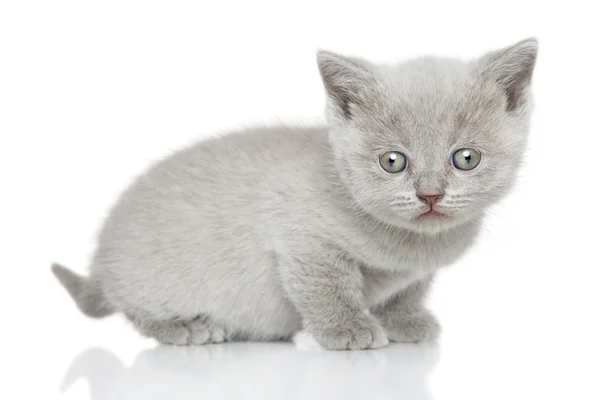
[512,69]
[345,80]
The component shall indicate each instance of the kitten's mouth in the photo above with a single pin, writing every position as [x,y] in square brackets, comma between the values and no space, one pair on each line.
[431,214]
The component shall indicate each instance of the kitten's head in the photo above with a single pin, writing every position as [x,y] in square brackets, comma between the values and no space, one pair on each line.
[430,143]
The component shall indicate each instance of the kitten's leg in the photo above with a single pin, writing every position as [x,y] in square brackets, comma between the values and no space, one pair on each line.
[326,289]
[175,331]
[405,317]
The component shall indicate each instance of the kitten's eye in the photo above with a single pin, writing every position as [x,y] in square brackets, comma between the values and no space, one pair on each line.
[466,159]
[393,162]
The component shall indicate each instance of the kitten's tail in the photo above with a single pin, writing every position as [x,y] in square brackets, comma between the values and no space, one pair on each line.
[87,294]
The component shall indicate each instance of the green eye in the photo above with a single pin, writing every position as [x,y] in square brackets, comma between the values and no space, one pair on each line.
[466,159]
[393,162]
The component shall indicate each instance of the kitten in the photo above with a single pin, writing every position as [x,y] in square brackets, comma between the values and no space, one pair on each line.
[335,231]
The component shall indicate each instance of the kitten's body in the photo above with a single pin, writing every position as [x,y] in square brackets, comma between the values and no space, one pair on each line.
[258,234]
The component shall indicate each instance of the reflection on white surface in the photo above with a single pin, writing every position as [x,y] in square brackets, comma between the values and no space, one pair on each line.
[249,370]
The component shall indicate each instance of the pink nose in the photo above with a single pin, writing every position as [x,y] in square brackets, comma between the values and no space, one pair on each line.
[430,199]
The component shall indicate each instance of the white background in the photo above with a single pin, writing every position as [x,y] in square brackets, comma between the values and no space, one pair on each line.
[93,92]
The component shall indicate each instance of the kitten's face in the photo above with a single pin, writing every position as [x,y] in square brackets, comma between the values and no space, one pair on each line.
[429,144]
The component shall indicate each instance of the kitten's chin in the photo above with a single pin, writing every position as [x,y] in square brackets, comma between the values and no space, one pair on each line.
[431,223]
[437,223]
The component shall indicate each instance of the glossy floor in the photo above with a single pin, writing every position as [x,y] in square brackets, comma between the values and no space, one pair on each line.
[280,371]
[275,371]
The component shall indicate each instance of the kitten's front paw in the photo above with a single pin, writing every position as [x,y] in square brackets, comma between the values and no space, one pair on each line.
[362,332]
[413,328]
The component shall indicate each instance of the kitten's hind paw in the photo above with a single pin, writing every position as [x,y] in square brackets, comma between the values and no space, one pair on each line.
[166,332]
[197,331]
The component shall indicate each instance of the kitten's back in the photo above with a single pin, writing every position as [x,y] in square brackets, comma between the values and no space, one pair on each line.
[199,222]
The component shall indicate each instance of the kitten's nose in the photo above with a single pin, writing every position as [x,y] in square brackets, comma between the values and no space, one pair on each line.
[430,199]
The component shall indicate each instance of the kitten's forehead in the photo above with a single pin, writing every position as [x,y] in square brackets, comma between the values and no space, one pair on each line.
[417,100]
[430,102]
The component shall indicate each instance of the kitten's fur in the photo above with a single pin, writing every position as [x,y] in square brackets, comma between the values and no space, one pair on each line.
[260,234]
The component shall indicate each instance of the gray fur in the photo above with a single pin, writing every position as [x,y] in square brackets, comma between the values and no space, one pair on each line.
[258,234]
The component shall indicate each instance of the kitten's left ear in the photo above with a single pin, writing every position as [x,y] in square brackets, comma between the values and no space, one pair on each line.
[346,80]
[512,69]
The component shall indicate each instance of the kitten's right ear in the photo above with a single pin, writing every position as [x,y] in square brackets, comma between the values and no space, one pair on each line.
[345,80]
[512,69]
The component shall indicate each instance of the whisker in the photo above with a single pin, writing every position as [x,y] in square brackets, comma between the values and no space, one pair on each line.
[401,203]
[404,208]
[453,208]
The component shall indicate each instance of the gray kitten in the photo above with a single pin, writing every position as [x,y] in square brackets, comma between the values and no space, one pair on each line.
[335,231]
